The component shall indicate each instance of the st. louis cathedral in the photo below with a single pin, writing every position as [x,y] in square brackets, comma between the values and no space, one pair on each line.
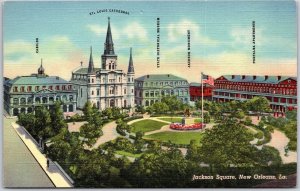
[105,86]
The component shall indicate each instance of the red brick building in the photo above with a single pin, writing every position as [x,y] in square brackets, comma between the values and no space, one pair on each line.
[196,91]
[281,91]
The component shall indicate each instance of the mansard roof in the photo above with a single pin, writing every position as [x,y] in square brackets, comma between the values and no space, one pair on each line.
[37,80]
[160,77]
[257,79]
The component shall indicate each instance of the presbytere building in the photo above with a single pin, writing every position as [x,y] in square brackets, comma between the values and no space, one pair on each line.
[281,91]
[25,93]
[152,87]
[105,86]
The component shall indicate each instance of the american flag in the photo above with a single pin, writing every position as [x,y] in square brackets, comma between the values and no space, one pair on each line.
[206,79]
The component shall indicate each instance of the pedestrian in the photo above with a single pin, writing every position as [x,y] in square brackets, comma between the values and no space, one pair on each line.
[47,163]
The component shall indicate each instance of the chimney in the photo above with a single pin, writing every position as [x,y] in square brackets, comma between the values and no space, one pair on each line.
[243,77]
[279,78]
[254,77]
[168,75]
[266,77]
[232,76]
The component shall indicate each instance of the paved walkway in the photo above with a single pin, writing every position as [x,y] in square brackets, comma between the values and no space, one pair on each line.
[109,133]
[75,127]
[53,172]
[20,169]
[279,141]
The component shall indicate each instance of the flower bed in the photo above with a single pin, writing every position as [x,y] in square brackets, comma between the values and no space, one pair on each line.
[181,127]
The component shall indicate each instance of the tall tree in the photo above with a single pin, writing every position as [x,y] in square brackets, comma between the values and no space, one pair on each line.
[57,118]
[43,123]
[259,105]
[227,144]
[88,110]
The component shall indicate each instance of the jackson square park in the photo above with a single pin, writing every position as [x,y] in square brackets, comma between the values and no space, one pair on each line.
[169,144]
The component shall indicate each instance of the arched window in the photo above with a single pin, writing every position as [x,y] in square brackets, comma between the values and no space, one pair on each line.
[23,100]
[109,66]
[147,103]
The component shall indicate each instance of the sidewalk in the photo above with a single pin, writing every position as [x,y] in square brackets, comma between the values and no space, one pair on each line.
[53,172]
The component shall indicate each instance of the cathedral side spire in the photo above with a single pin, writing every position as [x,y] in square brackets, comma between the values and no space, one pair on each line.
[130,65]
[91,62]
[109,45]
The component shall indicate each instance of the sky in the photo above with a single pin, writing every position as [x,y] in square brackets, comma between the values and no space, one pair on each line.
[220,31]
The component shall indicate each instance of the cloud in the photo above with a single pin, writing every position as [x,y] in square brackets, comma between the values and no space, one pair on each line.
[135,31]
[97,29]
[178,31]
[132,30]
[60,57]
[244,36]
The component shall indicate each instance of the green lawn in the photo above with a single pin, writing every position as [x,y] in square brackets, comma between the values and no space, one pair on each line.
[124,153]
[170,119]
[146,125]
[177,120]
[176,137]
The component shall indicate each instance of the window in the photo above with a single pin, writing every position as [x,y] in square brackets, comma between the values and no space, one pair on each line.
[69,87]
[131,90]
[92,80]
[98,92]
[50,87]
[111,90]
[29,89]
[119,79]
[128,79]
[37,88]
[124,90]
[16,101]
[92,92]
[109,66]
[22,89]
[146,94]
[57,88]
[44,87]
[71,97]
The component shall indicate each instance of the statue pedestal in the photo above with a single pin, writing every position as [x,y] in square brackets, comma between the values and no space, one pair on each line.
[187,121]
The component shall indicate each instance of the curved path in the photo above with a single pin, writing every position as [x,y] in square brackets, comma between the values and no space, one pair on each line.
[109,133]
[279,141]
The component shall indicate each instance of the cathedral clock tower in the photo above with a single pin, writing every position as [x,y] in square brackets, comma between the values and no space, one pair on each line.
[109,58]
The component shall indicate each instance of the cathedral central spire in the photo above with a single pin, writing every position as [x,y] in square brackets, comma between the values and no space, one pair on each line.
[91,63]
[109,45]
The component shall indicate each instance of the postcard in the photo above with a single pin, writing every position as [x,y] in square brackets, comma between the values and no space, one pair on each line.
[150,94]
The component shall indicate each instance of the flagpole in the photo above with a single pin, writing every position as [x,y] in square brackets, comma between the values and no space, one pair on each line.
[202,97]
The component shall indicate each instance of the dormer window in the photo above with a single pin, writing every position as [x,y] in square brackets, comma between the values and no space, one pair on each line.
[15,89]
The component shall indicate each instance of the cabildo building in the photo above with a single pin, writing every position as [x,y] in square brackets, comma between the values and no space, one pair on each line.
[25,93]
[105,86]
[281,91]
[150,88]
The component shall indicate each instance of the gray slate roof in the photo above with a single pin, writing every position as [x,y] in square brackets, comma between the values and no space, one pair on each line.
[159,77]
[35,80]
[258,79]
